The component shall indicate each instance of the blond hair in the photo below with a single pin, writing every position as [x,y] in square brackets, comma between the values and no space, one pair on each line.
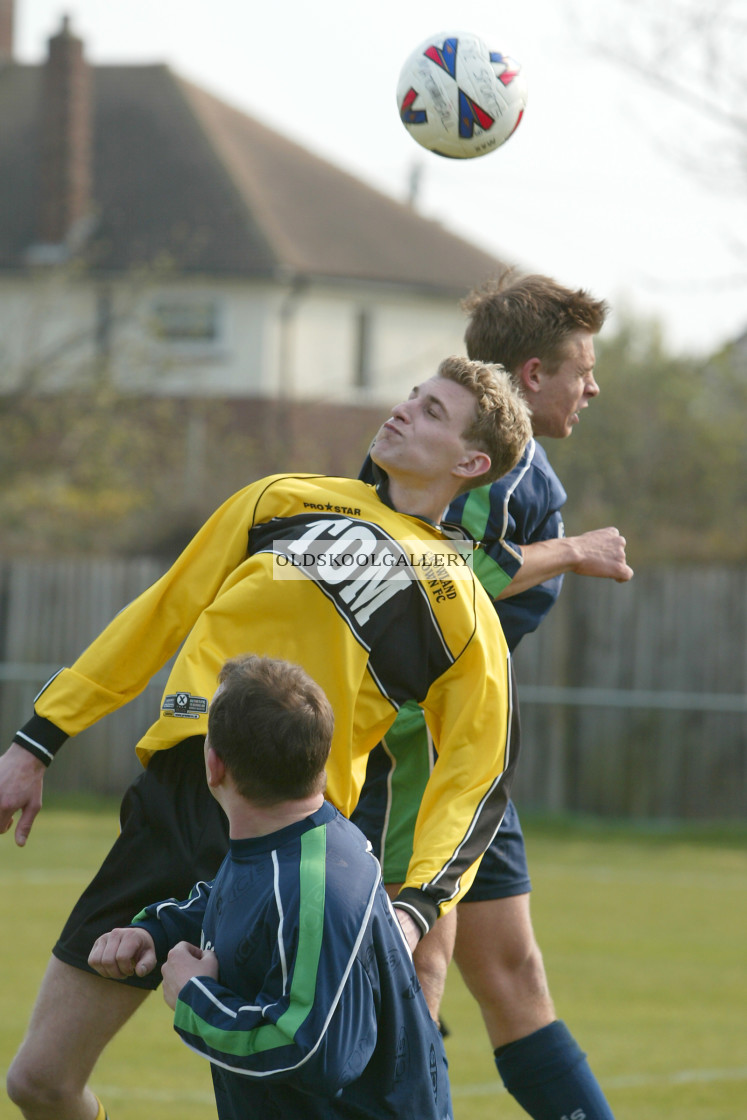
[502,425]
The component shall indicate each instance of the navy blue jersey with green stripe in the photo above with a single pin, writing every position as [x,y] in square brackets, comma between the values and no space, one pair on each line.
[317,1011]
[520,508]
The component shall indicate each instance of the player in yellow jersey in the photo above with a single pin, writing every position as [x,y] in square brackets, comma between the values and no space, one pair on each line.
[544,334]
[361,586]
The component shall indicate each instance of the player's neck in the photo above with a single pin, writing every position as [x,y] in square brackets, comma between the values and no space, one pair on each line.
[419,499]
[247,820]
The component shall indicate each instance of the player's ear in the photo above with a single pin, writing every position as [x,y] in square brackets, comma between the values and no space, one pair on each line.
[472,464]
[215,767]
[529,375]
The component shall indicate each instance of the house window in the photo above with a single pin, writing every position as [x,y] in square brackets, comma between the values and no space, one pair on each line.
[186,321]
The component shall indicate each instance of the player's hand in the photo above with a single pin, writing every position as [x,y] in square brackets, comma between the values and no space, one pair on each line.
[123,952]
[21,782]
[410,928]
[602,553]
[183,962]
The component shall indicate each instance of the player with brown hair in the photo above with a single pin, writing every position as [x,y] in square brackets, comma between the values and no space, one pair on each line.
[543,333]
[288,971]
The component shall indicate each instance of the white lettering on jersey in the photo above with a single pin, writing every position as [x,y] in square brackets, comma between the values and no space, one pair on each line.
[371,567]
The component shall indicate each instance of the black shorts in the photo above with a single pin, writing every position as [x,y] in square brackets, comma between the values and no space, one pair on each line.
[173,833]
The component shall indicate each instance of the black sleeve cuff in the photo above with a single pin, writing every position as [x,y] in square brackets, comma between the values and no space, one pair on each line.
[41,738]
[160,940]
[419,906]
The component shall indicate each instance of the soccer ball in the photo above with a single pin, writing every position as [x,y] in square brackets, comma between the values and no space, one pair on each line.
[458,98]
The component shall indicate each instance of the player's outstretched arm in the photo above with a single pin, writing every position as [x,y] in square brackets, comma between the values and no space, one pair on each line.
[123,952]
[600,552]
[21,782]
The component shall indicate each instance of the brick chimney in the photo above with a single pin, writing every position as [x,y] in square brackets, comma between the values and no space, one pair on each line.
[66,140]
[7,20]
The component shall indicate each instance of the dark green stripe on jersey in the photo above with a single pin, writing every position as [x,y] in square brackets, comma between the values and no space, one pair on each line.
[270,1036]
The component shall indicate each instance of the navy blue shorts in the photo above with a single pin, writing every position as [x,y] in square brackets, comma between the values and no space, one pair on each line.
[173,833]
[503,871]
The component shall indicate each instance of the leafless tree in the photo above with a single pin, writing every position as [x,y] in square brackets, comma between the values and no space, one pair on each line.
[693,52]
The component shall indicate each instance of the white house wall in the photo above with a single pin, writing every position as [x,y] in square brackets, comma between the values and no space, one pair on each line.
[408,337]
[46,339]
[270,339]
[413,336]
[230,365]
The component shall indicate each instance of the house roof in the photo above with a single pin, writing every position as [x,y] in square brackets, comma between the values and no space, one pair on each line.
[177,171]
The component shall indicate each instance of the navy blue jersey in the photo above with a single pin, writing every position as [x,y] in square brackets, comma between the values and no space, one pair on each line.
[520,508]
[317,1011]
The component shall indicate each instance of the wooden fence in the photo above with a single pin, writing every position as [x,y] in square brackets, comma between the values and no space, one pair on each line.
[49,612]
[633,696]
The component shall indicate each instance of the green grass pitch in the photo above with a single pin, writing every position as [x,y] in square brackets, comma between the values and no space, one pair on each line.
[643,932]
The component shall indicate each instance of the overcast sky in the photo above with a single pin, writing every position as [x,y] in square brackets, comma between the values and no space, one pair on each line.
[592,188]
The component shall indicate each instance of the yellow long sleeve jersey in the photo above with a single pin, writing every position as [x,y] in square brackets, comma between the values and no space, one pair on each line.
[376,607]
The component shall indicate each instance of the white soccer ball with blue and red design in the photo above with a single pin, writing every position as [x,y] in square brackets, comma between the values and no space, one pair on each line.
[458,98]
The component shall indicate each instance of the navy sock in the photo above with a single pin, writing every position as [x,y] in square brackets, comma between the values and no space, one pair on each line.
[548,1075]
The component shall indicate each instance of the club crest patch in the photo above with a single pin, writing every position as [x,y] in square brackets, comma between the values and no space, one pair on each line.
[185,705]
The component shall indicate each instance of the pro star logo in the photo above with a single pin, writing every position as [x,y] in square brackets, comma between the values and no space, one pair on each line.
[184,705]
